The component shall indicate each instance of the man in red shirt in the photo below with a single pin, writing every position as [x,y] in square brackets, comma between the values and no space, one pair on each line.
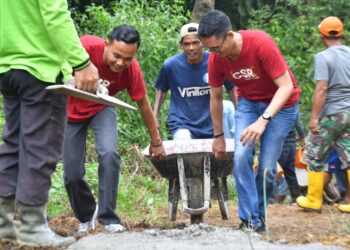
[114,59]
[268,96]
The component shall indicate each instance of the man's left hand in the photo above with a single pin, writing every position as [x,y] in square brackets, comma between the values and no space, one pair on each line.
[253,132]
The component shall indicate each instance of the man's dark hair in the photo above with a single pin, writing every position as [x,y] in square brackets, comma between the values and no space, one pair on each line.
[125,33]
[214,23]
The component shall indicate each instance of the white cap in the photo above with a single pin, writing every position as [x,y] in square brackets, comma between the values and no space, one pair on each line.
[189,29]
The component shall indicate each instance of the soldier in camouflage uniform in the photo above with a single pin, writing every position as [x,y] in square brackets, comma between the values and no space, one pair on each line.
[330,117]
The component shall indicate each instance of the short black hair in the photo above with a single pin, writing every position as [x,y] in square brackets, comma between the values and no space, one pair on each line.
[214,23]
[125,33]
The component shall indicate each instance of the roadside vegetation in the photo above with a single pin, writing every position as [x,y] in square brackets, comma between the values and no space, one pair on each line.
[142,191]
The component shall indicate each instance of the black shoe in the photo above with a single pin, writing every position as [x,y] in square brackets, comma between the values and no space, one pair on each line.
[244,225]
[262,226]
[257,228]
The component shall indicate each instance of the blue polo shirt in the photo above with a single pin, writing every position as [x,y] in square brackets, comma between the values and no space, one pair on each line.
[190,94]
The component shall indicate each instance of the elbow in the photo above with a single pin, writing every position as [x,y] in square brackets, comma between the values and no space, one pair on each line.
[290,89]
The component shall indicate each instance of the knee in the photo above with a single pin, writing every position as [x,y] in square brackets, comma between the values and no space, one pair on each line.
[242,157]
[270,175]
[72,177]
[109,157]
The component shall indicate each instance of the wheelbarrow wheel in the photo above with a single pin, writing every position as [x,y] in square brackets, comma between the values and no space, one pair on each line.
[196,198]
[173,198]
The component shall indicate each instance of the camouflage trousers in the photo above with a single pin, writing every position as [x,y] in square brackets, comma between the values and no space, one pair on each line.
[334,132]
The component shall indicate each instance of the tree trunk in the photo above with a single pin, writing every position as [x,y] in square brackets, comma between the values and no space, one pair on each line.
[201,7]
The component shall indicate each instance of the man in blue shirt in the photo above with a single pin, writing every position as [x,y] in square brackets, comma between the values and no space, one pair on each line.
[186,76]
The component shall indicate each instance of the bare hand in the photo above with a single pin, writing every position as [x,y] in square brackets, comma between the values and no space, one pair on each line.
[313,126]
[219,147]
[254,132]
[87,79]
[157,152]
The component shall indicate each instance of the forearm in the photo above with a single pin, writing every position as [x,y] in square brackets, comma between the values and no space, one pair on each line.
[319,100]
[159,100]
[147,116]
[284,91]
[216,97]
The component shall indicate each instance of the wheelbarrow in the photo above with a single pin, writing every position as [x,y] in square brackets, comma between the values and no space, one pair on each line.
[193,173]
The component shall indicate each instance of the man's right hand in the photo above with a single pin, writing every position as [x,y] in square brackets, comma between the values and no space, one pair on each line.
[87,79]
[219,147]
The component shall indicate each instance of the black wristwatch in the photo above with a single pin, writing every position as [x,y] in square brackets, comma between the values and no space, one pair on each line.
[266,116]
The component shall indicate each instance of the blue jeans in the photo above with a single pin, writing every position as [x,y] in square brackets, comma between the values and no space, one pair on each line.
[250,187]
[104,127]
[228,124]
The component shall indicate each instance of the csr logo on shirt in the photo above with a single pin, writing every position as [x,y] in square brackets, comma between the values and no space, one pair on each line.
[247,74]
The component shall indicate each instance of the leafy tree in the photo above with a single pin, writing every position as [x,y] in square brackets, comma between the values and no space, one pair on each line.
[293,24]
[159,25]
[200,8]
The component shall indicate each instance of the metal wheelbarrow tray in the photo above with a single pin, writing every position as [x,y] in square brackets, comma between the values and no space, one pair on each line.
[193,171]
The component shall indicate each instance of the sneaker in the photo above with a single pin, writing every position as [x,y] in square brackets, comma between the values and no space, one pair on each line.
[85,226]
[245,225]
[262,226]
[115,228]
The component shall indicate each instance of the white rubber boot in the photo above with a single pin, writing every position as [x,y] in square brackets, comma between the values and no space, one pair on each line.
[7,212]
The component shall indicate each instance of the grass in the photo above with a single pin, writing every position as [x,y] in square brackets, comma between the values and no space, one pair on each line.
[135,195]
[142,192]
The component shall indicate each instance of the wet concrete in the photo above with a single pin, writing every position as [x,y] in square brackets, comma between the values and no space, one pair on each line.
[194,237]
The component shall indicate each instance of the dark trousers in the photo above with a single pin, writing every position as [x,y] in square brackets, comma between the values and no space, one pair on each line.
[286,161]
[104,127]
[32,137]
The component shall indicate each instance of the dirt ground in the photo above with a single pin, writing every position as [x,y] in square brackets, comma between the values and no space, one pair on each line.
[286,223]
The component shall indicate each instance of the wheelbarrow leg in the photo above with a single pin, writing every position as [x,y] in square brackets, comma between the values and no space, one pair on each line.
[222,195]
[173,198]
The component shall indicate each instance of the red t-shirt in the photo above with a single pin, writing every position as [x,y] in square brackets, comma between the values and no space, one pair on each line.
[253,71]
[131,79]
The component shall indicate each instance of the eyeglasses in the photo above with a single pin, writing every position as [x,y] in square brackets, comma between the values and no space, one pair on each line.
[217,49]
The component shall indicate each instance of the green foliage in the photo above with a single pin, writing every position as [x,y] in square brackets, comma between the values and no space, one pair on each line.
[293,25]
[159,26]
[141,196]
[59,202]
[58,199]
[136,197]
